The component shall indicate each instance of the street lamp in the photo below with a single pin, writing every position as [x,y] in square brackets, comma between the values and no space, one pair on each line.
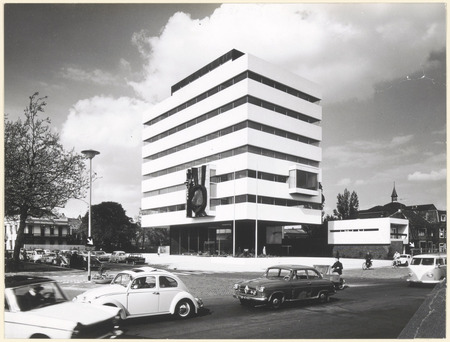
[90,154]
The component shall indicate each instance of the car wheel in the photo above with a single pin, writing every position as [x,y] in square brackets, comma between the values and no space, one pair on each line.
[323,297]
[39,336]
[184,308]
[276,301]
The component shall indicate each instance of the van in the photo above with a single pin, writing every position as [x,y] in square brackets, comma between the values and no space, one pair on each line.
[428,268]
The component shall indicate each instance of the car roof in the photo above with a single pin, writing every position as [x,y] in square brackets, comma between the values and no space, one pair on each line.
[21,280]
[145,271]
[292,267]
[430,256]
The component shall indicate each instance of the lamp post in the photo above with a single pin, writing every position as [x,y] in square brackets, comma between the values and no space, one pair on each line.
[90,154]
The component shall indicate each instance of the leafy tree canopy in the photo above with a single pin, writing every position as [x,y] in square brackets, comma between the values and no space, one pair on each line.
[39,174]
[111,228]
[347,206]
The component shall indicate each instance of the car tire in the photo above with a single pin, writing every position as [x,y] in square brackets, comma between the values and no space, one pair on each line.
[323,297]
[276,301]
[184,308]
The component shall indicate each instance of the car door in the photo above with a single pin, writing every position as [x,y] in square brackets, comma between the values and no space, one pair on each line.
[143,296]
[301,285]
[168,289]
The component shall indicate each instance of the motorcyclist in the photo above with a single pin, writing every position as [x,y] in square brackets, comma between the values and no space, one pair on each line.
[337,267]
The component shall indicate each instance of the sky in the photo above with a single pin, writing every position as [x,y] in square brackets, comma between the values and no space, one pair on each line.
[382,68]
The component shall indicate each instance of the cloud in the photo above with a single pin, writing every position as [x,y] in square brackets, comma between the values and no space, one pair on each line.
[95,76]
[344,182]
[346,48]
[114,128]
[369,153]
[401,140]
[425,177]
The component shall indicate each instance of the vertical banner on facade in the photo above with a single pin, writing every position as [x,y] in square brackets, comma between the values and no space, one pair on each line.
[197,191]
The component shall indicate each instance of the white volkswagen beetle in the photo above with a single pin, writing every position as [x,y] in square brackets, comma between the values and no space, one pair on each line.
[145,292]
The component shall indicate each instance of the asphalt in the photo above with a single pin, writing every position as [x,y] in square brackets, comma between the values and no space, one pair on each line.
[429,320]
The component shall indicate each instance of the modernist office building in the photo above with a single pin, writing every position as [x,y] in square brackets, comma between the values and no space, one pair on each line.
[232,157]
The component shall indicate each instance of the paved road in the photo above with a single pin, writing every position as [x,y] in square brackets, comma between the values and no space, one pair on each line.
[377,304]
[379,309]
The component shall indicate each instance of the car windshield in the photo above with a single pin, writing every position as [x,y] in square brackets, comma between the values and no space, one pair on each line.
[423,261]
[122,279]
[34,296]
[274,273]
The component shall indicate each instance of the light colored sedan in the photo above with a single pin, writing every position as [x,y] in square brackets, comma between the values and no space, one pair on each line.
[145,292]
[36,307]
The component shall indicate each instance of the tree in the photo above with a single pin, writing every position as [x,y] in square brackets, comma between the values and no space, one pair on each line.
[39,174]
[111,228]
[347,206]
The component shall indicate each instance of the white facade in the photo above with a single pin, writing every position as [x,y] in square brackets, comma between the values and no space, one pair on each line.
[254,149]
[374,231]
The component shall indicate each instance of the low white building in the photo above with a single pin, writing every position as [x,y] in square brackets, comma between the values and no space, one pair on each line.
[380,236]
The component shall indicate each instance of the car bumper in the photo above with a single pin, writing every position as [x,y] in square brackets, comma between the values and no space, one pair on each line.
[433,281]
[253,298]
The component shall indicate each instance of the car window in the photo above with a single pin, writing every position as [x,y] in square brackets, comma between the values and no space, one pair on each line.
[428,261]
[277,273]
[302,274]
[144,283]
[38,295]
[313,275]
[416,261]
[122,279]
[167,282]
[439,261]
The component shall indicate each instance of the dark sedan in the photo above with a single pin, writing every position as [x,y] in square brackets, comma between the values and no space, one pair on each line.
[135,258]
[284,283]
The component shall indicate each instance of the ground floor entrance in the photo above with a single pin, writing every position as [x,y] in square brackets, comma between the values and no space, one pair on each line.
[237,238]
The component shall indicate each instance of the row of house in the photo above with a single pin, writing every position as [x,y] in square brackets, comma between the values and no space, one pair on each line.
[47,233]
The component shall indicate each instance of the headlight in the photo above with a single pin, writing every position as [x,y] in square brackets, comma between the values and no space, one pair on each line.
[236,286]
[260,288]
[410,274]
[430,275]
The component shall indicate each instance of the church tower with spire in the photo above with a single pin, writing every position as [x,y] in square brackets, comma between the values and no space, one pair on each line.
[394,195]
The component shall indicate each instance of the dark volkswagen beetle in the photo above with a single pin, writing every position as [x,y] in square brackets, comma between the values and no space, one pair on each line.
[284,283]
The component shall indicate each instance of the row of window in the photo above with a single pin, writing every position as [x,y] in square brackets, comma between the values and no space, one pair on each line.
[230,153]
[222,178]
[235,128]
[220,110]
[230,55]
[229,83]
[247,198]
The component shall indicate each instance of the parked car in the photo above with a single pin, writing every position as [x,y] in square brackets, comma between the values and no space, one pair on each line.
[36,307]
[48,258]
[37,255]
[427,268]
[145,292]
[135,258]
[118,256]
[404,259]
[102,255]
[81,262]
[284,283]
